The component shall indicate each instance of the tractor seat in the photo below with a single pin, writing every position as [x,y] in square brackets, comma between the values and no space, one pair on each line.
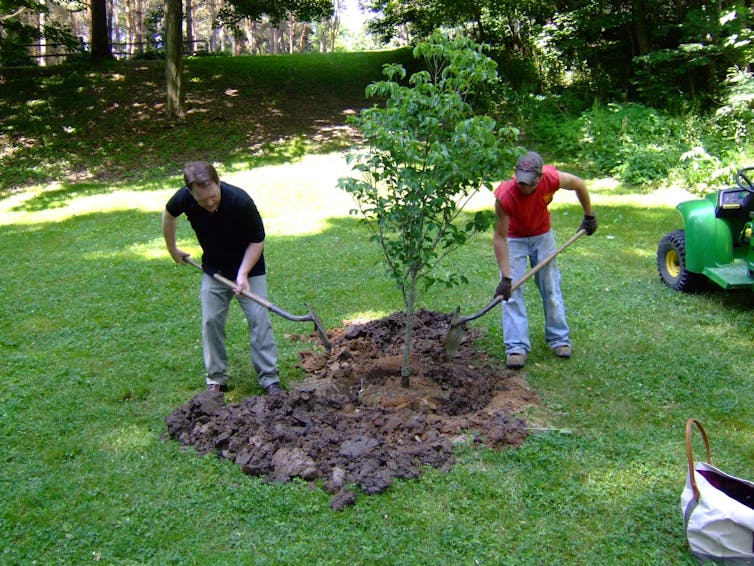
[734,203]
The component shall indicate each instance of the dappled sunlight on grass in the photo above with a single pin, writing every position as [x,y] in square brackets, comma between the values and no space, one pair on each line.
[298,198]
[125,438]
[602,191]
[357,317]
[21,208]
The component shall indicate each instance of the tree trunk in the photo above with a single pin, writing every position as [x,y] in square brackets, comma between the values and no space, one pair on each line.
[111,29]
[291,34]
[639,10]
[409,335]
[41,22]
[190,27]
[139,26]
[303,38]
[100,40]
[174,60]
[214,38]
[273,48]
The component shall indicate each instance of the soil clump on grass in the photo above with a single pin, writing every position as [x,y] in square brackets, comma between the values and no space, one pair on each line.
[351,424]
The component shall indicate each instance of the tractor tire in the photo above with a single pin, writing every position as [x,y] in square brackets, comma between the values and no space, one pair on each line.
[671,264]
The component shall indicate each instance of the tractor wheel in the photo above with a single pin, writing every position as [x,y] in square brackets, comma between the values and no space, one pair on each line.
[671,264]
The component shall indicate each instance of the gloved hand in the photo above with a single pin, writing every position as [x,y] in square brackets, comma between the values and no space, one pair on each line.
[504,288]
[589,224]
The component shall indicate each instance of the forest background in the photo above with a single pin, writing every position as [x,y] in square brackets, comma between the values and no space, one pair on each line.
[653,92]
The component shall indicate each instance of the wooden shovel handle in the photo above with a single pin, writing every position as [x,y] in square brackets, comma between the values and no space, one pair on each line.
[528,275]
[249,295]
[690,452]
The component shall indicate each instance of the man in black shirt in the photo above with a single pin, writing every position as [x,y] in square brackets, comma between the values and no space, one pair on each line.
[231,233]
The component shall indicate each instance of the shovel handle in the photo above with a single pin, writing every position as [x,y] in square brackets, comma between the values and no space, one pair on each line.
[249,295]
[528,275]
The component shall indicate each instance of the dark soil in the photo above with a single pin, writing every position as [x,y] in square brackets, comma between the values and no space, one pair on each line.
[351,423]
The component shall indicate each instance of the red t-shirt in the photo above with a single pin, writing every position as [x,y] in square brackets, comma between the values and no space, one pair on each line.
[528,213]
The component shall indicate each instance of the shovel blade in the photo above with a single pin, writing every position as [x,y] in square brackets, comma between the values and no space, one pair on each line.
[320,329]
[453,338]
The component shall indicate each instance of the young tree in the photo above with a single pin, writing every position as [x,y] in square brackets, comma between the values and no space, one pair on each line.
[429,151]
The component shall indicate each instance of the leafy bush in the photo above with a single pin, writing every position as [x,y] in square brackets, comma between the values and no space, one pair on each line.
[735,116]
[631,142]
[637,144]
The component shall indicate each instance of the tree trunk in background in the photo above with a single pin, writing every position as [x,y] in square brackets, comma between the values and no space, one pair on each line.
[334,24]
[291,34]
[42,41]
[174,59]
[304,38]
[100,40]
[130,8]
[139,25]
[112,28]
[638,9]
[190,27]
[214,38]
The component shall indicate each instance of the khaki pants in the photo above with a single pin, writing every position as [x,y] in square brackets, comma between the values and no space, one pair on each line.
[216,297]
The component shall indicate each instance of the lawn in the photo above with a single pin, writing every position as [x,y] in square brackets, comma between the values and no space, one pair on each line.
[100,342]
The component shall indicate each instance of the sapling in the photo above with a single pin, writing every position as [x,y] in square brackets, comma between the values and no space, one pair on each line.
[428,151]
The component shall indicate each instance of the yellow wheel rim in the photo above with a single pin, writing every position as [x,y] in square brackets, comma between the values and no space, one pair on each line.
[673,263]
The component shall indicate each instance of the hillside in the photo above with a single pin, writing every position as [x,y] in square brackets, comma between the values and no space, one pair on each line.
[76,123]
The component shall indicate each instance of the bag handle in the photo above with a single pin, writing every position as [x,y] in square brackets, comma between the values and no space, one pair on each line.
[690,453]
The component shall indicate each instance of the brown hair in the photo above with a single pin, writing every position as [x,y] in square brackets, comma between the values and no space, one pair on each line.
[200,172]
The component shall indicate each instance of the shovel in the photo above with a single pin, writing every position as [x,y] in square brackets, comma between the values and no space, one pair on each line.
[457,323]
[277,310]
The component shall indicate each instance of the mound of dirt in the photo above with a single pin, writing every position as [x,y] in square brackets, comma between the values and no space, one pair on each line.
[351,423]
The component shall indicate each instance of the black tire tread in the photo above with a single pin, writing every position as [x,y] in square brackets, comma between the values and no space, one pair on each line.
[686,281]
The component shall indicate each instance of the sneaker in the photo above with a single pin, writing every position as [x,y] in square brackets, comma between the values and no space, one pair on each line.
[563,351]
[515,361]
[273,388]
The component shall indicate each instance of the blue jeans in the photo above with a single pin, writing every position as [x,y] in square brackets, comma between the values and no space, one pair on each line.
[515,322]
[216,297]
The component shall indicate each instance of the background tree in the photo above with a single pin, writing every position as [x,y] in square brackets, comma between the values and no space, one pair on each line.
[428,151]
[174,60]
[643,50]
[28,22]
[101,49]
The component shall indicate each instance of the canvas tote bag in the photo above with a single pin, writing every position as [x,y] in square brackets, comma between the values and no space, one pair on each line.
[718,510]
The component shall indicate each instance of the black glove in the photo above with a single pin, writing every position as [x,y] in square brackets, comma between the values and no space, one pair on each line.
[589,224]
[504,288]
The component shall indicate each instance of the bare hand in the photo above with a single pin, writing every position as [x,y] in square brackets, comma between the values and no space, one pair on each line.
[178,255]
[242,285]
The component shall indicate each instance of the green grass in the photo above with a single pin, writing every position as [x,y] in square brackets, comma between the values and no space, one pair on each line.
[99,337]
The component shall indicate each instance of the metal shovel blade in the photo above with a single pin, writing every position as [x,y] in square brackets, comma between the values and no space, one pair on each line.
[458,323]
[453,338]
[318,327]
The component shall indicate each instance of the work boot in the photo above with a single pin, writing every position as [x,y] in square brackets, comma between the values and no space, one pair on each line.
[273,388]
[563,351]
[515,361]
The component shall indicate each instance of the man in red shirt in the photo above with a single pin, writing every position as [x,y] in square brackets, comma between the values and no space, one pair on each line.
[523,232]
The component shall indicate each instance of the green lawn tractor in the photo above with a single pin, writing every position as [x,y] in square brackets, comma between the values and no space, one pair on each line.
[715,243]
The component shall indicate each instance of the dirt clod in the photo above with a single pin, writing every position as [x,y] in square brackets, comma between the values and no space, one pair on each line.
[350,423]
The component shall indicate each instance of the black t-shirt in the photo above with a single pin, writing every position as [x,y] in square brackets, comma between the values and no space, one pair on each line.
[225,234]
